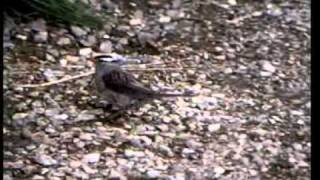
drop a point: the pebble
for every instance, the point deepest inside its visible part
(187, 151)
(89, 170)
(77, 31)
(45, 159)
(232, 2)
(130, 153)
(91, 158)
(106, 47)
(135, 21)
(228, 70)
(219, 170)
(63, 41)
(41, 37)
(166, 150)
(75, 164)
(89, 41)
(85, 52)
(267, 66)
(153, 173)
(164, 19)
(19, 116)
(83, 116)
(86, 136)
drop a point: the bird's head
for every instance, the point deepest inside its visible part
(114, 59)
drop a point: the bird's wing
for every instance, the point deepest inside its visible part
(124, 83)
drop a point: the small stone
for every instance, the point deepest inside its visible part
(106, 47)
(85, 52)
(83, 116)
(22, 37)
(303, 164)
(214, 127)
(7, 177)
(265, 74)
(75, 164)
(218, 49)
(232, 2)
(51, 58)
(86, 136)
(63, 62)
(89, 41)
(135, 21)
(164, 19)
(166, 150)
(19, 116)
(187, 151)
(267, 66)
(89, 170)
(91, 158)
(114, 174)
(177, 177)
(220, 57)
(130, 153)
(39, 25)
(63, 41)
(228, 71)
(70, 58)
(38, 177)
(153, 173)
(219, 170)
(77, 31)
(257, 13)
(62, 117)
(297, 146)
(45, 160)
(41, 37)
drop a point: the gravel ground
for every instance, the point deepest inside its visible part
(249, 60)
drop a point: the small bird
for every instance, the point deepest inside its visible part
(120, 88)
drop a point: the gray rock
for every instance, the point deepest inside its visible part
(91, 158)
(39, 25)
(85, 52)
(166, 150)
(63, 41)
(214, 127)
(45, 159)
(153, 173)
(130, 153)
(106, 47)
(77, 31)
(41, 37)
(267, 66)
(19, 116)
(84, 116)
(7, 177)
(89, 41)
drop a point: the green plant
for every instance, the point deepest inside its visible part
(56, 11)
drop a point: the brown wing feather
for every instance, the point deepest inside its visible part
(124, 83)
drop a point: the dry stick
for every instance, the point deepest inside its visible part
(57, 81)
(88, 74)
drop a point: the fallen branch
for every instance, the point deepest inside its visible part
(65, 79)
(57, 81)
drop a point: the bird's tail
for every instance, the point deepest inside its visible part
(185, 94)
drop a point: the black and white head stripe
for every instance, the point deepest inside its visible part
(110, 58)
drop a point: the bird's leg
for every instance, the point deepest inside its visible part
(122, 110)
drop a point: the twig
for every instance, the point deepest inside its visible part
(88, 74)
(57, 81)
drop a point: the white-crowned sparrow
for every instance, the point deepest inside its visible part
(120, 88)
